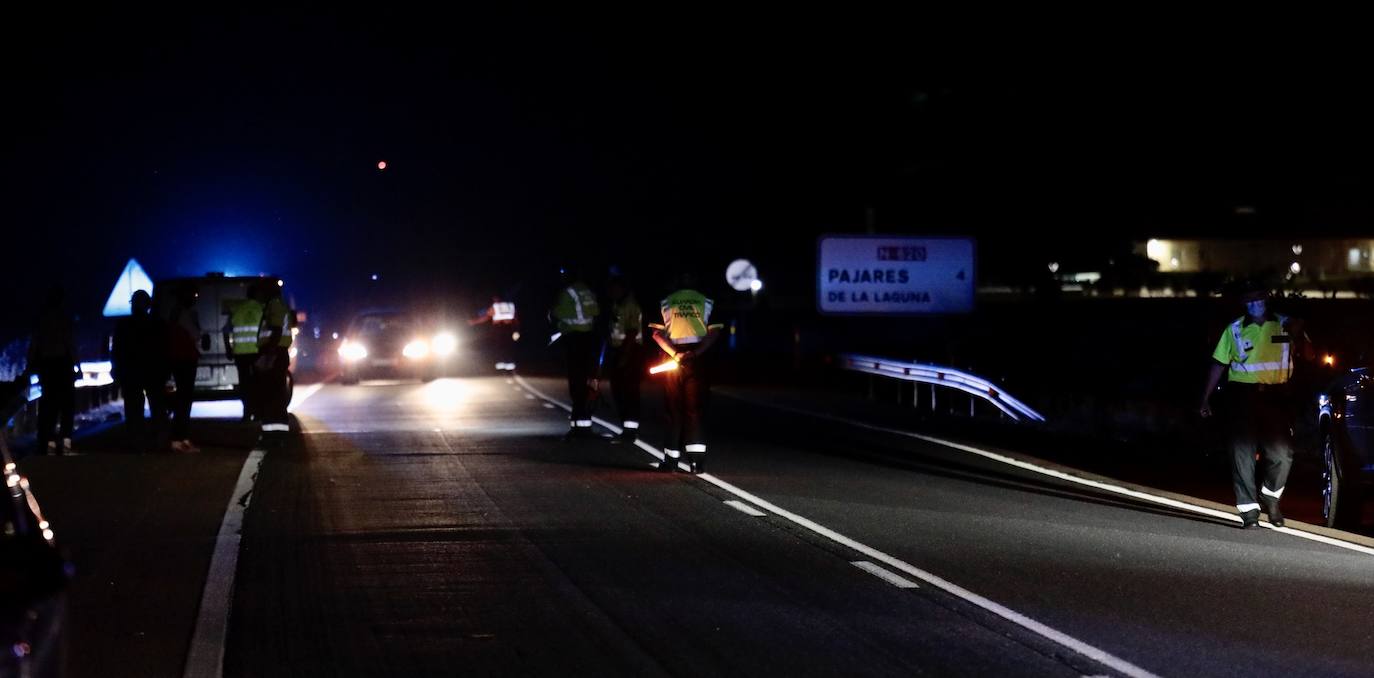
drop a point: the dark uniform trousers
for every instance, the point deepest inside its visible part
(248, 386)
(581, 349)
(1259, 422)
(685, 392)
(272, 395)
(626, 365)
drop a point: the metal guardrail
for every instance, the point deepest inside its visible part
(939, 376)
(94, 389)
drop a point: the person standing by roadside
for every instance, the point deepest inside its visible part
(184, 353)
(140, 368)
(52, 356)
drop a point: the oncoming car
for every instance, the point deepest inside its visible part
(394, 344)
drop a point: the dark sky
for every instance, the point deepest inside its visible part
(248, 142)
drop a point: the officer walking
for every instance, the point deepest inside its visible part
(241, 336)
(686, 337)
(574, 314)
(626, 355)
(1256, 353)
(273, 364)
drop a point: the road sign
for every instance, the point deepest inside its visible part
(894, 275)
(741, 274)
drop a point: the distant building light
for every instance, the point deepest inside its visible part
(1158, 250)
(1245, 209)
(756, 285)
(1297, 250)
(381, 165)
(335, 335)
(281, 283)
(1173, 262)
(1295, 268)
(1353, 257)
(1086, 277)
(374, 276)
(1054, 267)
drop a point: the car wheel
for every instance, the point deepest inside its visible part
(1341, 502)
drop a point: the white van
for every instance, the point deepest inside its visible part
(216, 293)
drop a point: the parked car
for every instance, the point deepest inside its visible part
(1345, 416)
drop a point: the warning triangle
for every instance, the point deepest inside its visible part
(133, 278)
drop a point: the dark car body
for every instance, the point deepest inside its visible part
(1345, 416)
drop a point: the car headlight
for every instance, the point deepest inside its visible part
(444, 344)
(352, 351)
(416, 349)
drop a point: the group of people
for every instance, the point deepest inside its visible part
(613, 344)
(258, 335)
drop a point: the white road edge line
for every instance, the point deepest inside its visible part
(205, 659)
(1106, 487)
(206, 656)
(1100, 656)
(744, 508)
(302, 395)
(885, 574)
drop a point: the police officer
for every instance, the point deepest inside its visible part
(505, 330)
(625, 357)
(274, 362)
(574, 313)
(1256, 353)
(686, 336)
(241, 336)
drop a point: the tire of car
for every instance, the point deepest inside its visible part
(1342, 500)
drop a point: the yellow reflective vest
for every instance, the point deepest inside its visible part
(1257, 353)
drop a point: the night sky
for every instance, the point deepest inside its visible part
(248, 142)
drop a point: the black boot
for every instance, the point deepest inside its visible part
(1271, 507)
(668, 465)
(1249, 519)
(698, 463)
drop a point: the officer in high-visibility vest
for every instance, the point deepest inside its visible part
(505, 330)
(1256, 353)
(625, 359)
(274, 361)
(686, 336)
(241, 337)
(574, 314)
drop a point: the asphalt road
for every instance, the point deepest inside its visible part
(445, 529)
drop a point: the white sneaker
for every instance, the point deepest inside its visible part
(66, 446)
(178, 446)
(52, 447)
(189, 446)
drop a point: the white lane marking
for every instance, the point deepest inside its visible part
(1053, 473)
(302, 395)
(885, 574)
(206, 656)
(1100, 656)
(529, 397)
(745, 508)
(548, 406)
